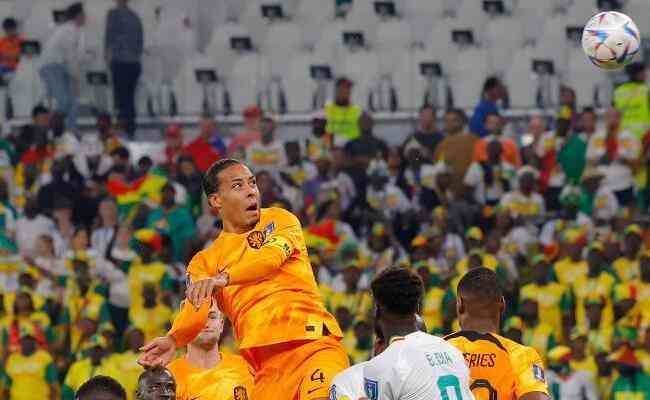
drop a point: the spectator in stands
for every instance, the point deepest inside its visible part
(124, 42)
(615, 152)
(267, 154)
(363, 149)
(173, 146)
(173, 220)
(530, 139)
(343, 116)
(493, 91)
(251, 133)
(631, 99)
(489, 180)
(10, 46)
(494, 131)
(457, 147)
(565, 382)
(297, 170)
(101, 387)
(320, 140)
(524, 201)
(572, 157)
(37, 381)
(208, 147)
(106, 225)
(62, 58)
(93, 364)
(191, 179)
(426, 134)
(31, 225)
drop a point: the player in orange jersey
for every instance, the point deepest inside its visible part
(500, 368)
(204, 373)
(259, 273)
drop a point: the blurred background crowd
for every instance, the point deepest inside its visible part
(94, 240)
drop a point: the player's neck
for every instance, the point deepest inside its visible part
(203, 358)
(237, 230)
(398, 328)
(480, 325)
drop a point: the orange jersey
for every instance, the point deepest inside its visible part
(231, 379)
(500, 368)
(272, 296)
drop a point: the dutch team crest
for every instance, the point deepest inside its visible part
(240, 393)
(372, 389)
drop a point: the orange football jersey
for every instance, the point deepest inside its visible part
(231, 379)
(500, 368)
(272, 296)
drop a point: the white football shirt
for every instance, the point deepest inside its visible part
(418, 367)
(348, 384)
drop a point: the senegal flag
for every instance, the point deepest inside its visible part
(143, 188)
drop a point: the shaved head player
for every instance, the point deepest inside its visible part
(500, 368)
(258, 272)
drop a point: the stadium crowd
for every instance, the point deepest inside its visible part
(94, 244)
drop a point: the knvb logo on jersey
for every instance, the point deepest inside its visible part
(240, 393)
(538, 373)
(372, 389)
(269, 228)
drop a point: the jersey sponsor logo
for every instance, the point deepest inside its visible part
(239, 393)
(256, 239)
(438, 359)
(269, 228)
(538, 373)
(280, 243)
(483, 360)
(372, 388)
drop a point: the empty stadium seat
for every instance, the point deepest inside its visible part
(520, 79)
(466, 79)
(411, 87)
(40, 23)
(250, 74)
(26, 88)
(503, 36)
(283, 40)
(188, 92)
(393, 39)
(584, 78)
(95, 28)
(422, 14)
(471, 14)
(219, 47)
(299, 85)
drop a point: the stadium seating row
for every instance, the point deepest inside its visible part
(387, 69)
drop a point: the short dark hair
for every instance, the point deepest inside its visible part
(38, 110)
(481, 283)
(74, 11)
(211, 177)
(100, 384)
(398, 290)
(459, 112)
(589, 110)
(490, 83)
(427, 106)
(9, 23)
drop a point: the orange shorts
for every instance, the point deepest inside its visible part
(300, 370)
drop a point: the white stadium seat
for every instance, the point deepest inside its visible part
(219, 47)
(187, 90)
(503, 36)
(394, 37)
(40, 23)
(299, 85)
(283, 40)
(586, 79)
(467, 77)
(250, 74)
(26, 88)
(411, 87)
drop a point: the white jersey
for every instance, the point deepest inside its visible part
(348, 385)
(418, 367)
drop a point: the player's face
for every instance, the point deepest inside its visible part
(159, 387)
(238, 199)
(213, 327)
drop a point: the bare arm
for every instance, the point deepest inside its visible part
(535, 396)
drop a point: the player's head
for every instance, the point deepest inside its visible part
(231, 189)
(101, 387)
(156, 384)
(479, 298)
(636, 72)
(208, 338)
(397, 292)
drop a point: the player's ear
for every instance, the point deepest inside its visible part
(460, 307)
(502, 305)
(214, 201)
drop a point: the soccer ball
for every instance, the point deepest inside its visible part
(611, 40)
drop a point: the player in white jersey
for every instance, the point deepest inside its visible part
(348, 384)
(415, 365)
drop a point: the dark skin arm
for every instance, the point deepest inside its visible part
(535, 396)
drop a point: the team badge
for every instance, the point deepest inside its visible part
(256, 239)
(240, 393)
(269, 228)
(538, 373)
(372, 389)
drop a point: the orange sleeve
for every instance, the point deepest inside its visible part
(479, 153)
(190, 321)
(259, 263)
(512, 152)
